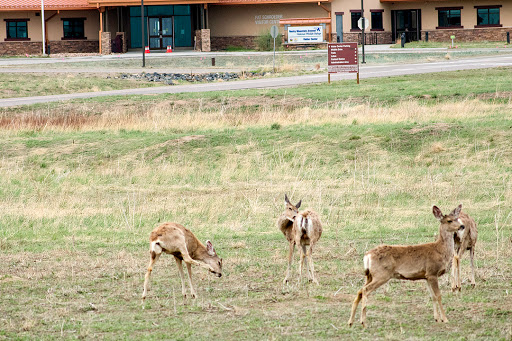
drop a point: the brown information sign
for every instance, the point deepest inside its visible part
(342, 57)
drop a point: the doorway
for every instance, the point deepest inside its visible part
(408, 22)
(160, 32)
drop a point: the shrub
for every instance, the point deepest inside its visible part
(265, 42)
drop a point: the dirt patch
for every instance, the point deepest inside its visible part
(433, 129)
(503, 94)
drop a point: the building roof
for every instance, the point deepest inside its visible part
(17, 5)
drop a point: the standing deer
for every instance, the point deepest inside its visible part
(177, 240)
(464, 240)
(301, 229)
(285, 224)
(412, 262)
(308, 230)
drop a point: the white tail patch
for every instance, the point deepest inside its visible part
(306, 224)
(367, 260)
(155, 247)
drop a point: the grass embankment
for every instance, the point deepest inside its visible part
(79, 201)
(26, 84)
(457, 44)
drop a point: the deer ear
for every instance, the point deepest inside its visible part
(298, 204)
(456, 211)
(437, 212)
(286, 200)
(209, 248)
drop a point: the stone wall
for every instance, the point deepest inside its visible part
(222, 43)
(203, 40)
(123, 39)
(466, 35)
(74, 46)
(371, 38)
(18, 48)
(106, 43)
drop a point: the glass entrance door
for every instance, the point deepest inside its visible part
(408, 22)
(160, 32)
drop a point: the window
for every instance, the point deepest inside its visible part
(17, 29)
(488, 16)
(74, 28)
(449, 17)
(377, 20)
(355, 15)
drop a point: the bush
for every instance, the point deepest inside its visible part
(265, 42)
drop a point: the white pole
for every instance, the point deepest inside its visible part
(42, 23)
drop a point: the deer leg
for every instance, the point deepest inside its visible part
(367, 289)
(301, 263)
(456, 273)
(368, 280)
(311, 265)
(434, 285)
(192, 290)
(290, 258)
(152, 261)
(471, 256)
(306, 261)
(188, 260)
(434, 302)
(182, 277)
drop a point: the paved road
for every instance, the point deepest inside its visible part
(278, 82)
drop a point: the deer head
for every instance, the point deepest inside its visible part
(291, 210)
(450, 222)
(213, 260)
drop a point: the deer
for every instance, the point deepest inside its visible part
(464, 240)
(411, 262)
(301, 229)
(177, 240)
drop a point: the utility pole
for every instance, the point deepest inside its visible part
(42, 23)
(362, 29)
(143, 43)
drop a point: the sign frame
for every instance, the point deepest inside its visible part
(296, 34)
(342, 58)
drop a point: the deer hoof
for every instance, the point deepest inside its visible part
(193, 296)
(350, 323)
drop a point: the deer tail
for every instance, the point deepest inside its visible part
(367, 260)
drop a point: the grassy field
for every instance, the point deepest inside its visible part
(26, 84)
(458, 44)
(82, 184)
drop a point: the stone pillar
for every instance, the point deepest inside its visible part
(203, 40)
(106, 43)
(125, 45)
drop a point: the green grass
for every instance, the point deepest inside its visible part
(26, 84)
(458, 44)
(78, 203)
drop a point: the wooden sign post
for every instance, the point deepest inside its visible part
(342, 57)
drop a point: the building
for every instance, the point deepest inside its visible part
(106, 26)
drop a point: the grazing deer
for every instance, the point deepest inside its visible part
(177, 240)
(464, 240)
(301, 229)
(411, 262)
